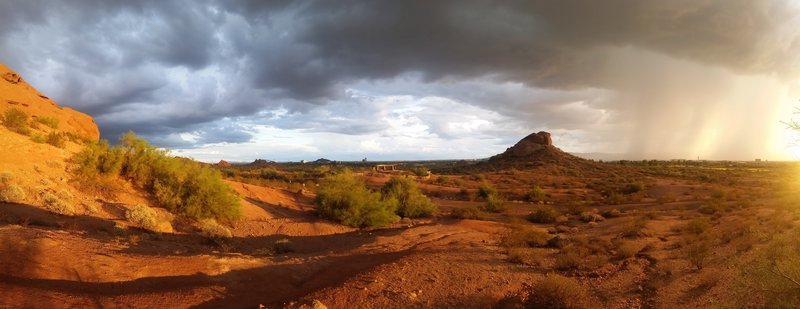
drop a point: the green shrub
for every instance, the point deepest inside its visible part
(17, 121)
(411, 203)
(473, 213)
(211, 229)
(143, 217)
(556, 291)
(495, 203)
(56, 139)
(181, 185)
(11, 193)
(535, 195)
(345, 198)
(48, 121)
(543, 214)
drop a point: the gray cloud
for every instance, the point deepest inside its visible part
(616, 67)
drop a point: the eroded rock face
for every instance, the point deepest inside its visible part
(223, 163)
(12, 77)
(541, 138)
(530, 144)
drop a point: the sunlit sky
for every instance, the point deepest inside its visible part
(390, 80)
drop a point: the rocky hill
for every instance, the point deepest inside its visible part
(16, 93)
(534, 150)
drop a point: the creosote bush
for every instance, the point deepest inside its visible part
(57, 205)
(495, 203)
(143, 217)
(544, 214)
(536, 194)
(56, 139)
(11, 193)
(213, 230)
(473, 213)
(345, 198)
(556, 291)
(411, 203)
(48, 121)
(17, 121)
(181, 185)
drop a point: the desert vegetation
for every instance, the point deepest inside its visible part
(411, 203)
(181, 185)
(345, 198)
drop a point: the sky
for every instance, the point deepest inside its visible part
(412, 80)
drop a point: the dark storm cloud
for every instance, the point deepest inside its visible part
(161, 67)
(542, 43)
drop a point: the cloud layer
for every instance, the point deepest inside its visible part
(353, 78)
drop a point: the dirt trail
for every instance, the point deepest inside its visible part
(51, 260)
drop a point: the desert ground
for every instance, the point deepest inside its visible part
(533, 227)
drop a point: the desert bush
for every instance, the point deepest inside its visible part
(697, 252)
(519, 255)
(613, 213)
(48, 121)
(556, 291)
(56, 139)
(38, 138)
(574, 208)
(536, 194)
(57, 205)
(495, 203)
(11, 193)
(666, 198)
(486, 190)
(635, 227)
(5, 177)
(473, 213)
(632, 188)
(543, 214)
(626, 249)
(209, 228)
(521, 236)
(420, 171)
(345, 198)
(178, 184)
(571, 257)
(443, 180)
(16, 121)
(698, 225)
(283, 245)
(591, 216)
(411, 202)
(774, 275)
(143, 217)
